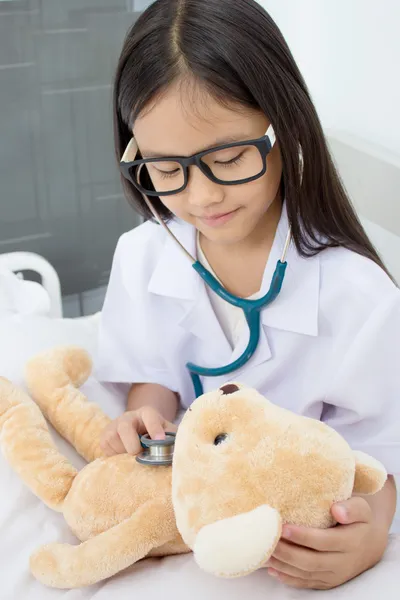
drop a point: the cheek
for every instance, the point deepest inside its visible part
(176, 204)
(267, 187)
(261, 193)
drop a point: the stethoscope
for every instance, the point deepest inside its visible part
(252, 312)
(157, 452)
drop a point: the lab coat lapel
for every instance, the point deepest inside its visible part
(296, 307)
(200, 320)
(262, 353)
(175, 277)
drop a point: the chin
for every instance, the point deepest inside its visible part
(226, 235)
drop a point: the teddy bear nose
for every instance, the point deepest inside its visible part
(229, 388)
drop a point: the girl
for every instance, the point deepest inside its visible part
(217, 137)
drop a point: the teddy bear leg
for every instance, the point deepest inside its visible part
(65, 566)
(370, 474)
(238, 545)
(27, 445)
(52, 379)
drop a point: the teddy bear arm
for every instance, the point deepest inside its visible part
(238, 545)
(65, 566)
(53, 378)
(370, 475)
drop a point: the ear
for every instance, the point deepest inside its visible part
(238, 545)
(370, 474)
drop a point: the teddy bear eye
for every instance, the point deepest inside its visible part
(220, 439)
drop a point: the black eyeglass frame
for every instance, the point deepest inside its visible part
(263, 144)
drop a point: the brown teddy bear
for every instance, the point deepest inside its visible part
(241, 468)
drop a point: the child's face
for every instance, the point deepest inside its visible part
(185, 121)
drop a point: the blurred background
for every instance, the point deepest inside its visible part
(60, 194)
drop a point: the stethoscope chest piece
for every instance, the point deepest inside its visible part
(157, 452)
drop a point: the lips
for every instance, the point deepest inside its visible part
(219, 216)
(220, 219)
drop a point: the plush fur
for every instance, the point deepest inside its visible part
(119, 509)
(293, 466)
(242, 468)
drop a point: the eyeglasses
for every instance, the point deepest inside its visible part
(229, 164)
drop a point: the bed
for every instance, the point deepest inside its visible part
(373, 179)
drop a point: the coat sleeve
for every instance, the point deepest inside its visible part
(363, 404)
(130, 346)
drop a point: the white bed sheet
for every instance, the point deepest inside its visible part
(25, 523)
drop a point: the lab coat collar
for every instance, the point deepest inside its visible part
(296, 308)
(174, 275)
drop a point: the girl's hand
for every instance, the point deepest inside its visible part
(326, 558)
(123, 434)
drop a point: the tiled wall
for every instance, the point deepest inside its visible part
(60, 194)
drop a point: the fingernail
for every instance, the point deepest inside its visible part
(160, 436)
(273, 573)
(286, 532)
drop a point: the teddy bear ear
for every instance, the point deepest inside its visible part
(370, 476)
(231, 388)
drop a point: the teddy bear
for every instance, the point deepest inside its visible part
(242, 467)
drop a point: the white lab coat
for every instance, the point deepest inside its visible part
(329, 348)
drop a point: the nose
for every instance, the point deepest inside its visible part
(203, 192)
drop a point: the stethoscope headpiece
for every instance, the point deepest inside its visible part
(157, 452)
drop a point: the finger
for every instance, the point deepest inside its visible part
(277, 565)
(114, 442)
(168, 426)
(322, 540)
(153, 423)
(104, 444)
(296, 582)
(106, 448)
(129, 437)
(355, 510)
(303, 558)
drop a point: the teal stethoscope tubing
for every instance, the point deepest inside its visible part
(252, 312)
(251, 308)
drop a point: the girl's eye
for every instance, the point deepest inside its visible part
(233, 161)
(164, 170)
(167, 174)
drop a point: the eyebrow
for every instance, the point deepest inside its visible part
(217, 142)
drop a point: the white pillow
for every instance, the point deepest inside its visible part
(21, 337)
(20, 297)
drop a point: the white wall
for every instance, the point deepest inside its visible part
(349, 54)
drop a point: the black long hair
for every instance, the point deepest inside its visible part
(236, 51)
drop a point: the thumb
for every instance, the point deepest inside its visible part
(355, 510)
